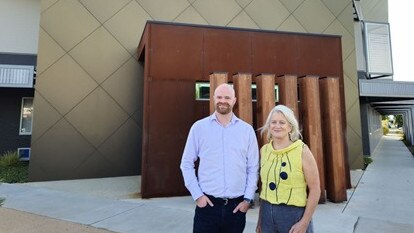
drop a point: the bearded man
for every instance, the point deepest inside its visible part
(228, 155)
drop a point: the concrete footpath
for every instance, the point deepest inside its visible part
(383, 201)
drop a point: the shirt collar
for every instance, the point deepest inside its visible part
(233, 120)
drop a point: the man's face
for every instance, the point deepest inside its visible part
(224, 99)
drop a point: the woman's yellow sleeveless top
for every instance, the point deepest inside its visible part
(283, 181)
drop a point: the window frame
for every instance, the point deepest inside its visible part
(20, 153)
(21, 132)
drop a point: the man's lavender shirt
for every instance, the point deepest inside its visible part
(229, 159)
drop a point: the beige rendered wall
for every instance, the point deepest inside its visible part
(375, 10)
(87, 119)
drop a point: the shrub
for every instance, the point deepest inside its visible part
(15, 174)
(8, 159)
(11, 169)
(367, 161)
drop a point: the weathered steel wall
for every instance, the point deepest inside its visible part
(177, 55)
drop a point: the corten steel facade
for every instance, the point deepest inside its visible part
(176, 56)
(88, 94)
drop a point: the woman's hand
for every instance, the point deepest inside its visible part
(258, 229)
(299, 227)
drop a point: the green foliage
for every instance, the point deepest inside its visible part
(399, 120)
(10, 158)
(14, 174)
(2, 199)
(367, 161)
(11, 169)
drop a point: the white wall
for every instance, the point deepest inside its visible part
(19, 26)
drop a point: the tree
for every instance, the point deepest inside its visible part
(399, 120)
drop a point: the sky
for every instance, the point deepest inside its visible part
(401, 18)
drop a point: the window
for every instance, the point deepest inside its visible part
(24, 154)
(26, 116)
(378, 49)
(254, 93)
(202, 91)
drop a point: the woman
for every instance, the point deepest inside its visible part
(287, 169)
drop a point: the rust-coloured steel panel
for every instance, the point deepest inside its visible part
(319, 55)
(226, 50)
(274, 54)
(170, 112)
(178, 55)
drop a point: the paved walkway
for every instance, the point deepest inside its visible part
(382, 202)
(384, 197)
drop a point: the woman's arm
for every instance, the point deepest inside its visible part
(258, 228)
(311, 173)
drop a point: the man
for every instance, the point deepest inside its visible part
(228, 168)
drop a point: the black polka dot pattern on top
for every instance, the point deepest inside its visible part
(283, 175)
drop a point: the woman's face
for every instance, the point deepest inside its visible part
(279, 126)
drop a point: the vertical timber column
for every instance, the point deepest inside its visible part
(334, 147)
(265, 94)
(215, 80)
(244, 107)
(312, 124)
(288, 92)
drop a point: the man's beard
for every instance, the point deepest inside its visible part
(221, 110)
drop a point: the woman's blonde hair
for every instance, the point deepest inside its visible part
(290, 117)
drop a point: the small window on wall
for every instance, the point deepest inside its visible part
(202, 91)
(26, 116)
(254, 93)
(24, 154)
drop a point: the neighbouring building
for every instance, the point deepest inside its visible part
(19, 36)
